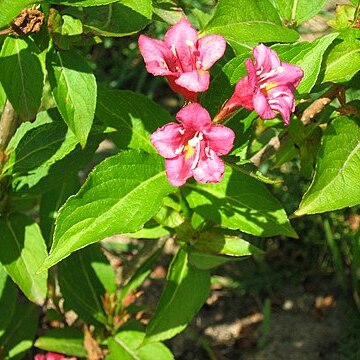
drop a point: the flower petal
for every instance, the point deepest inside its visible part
(195, 81)
(220, 139)
(188, 95)
(262, 106)
(282, 100)
(265, 58)
(209, 169)
(195, 117)
(158, 58)
(211, 48)
(181, 38)
(167, 140)
(178, 170)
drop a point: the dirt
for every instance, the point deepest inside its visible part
(303, 325)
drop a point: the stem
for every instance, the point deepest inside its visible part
(8, 124)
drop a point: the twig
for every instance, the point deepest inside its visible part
(319, 104)
(8, 124)
(309, 113)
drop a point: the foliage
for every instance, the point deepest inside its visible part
(62, 197)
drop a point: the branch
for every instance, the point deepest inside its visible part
(275, 143)
(8, 124)
(319, 104)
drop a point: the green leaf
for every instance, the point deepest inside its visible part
(298, 10)
(82, 2)
(22, 75)
(336, 181)
(8, 295)
(9, 9)
(21, 331)
(50, 204)
(308, 56)
(125, 345)
(74, 88)
(179, 302)
(222, 244)
(41, 143)
(134, 115)
(205, 261)
(20, 240)
(168, 11)
(343, 59)
(241, 21)
(239, 202)
(123, 18)
(120, 195)
(143, 270)
(68, 341)
(64, 30)
(83, 279)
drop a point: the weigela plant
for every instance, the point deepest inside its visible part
(183, 58)
(89, 167)
(192, 147)
(268, 88)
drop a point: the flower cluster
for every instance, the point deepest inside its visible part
(192, 146)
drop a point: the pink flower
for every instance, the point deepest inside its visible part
(268, 87)
(192, 147)
(52, 356)
(183, 58)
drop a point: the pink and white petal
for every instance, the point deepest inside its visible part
(209, 169)
(188, 95)
(262, 106)
(244, 91)
(178, 170)
(181, 38)
(211, 48)
(265, 58)
(220, 139)
(195, 81)
(168, 139)
(294, 73)
(284, 103)
(158, 58)
(287, 74)
(194, 117)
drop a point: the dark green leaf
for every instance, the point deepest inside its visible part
(336, 181)
(8, 295)
(120, 195)
(22, 75)
(168, 11)
(239, 202)
(222, 244)
(41, 143)
(84, 277)
(20, 239)
(21, 331)
(179, 302)
(123, 18)
(206, 261)
(74, 88)
(241, 21)
(68, 341)
(134, 116)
